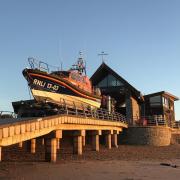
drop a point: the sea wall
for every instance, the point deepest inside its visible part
(175, 136)
(155, 136)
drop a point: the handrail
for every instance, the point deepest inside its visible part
(7, 114)
(70, 108)
(93, 113)
(176, 125)
(156, 120)
(36, 64)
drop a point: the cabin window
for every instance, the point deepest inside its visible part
(109, 81)
(155, 101)
(167, 103)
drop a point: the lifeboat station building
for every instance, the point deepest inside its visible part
(130, 102)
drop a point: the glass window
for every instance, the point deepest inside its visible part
(166, 102)
(103, 83)
(119, 83)
(109, 81)
(155, 101)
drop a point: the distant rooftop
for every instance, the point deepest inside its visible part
(175, 98)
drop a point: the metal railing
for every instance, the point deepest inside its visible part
(7, 114)
(36, 64)
(156, 120)
(81, 109)
(176, 125)
(101, 114)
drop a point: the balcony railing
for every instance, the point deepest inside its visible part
(156, 120)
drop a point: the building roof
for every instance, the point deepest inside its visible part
(105, 69)
(175, 98)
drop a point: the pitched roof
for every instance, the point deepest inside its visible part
(105, 69)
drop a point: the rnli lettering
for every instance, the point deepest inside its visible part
(39, 83)
(45, 85)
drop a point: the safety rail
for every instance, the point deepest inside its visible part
(7, 114)
(36, 64)
(71, 108)
(176, 125)
(102, 114)
(156, 120)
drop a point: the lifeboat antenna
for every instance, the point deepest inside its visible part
(81, 63)
(61, 65)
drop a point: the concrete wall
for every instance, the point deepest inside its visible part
(155, 136)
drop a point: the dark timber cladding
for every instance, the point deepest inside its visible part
(161, 104)
(128, 99)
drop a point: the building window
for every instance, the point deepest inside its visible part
(103, 83)
(109, 81)
(167, 103)
(155, 101)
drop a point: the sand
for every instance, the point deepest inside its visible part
(126, 162)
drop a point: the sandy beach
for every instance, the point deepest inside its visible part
(125, 162)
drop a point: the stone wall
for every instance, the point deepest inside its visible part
(155, 136)
(135, 109)
(175, 136)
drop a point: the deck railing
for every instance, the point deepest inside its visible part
(156, 120)
(7, 114)
(85, 112)
(176, 125)
(101, 114)
(36, 64)
(77, 109)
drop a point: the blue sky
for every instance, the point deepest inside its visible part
(141, 37)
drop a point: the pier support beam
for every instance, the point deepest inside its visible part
(83, 140)
(0, 153)
(50, 152)
(95, 140)
(58, 143)
(51, 145)
(20, 145)
(42, 141)
(33, 146)
(114, 139)
(107, 134)
(77, 141)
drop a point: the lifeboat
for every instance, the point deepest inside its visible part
(71, 87)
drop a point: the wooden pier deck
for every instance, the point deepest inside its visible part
(50, 129)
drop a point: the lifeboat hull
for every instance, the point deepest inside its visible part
(50, 88)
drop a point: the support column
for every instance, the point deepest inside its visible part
(33, 146)
(78, 136)
(83, 140)
(114, 140)
(77, 149)
(108, 138)
(51, 145)
(0, 154)
(42, 141)
(20, 144)
(50, 154)
(58, 143)
(95, 140)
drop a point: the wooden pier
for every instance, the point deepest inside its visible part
(51, 128)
